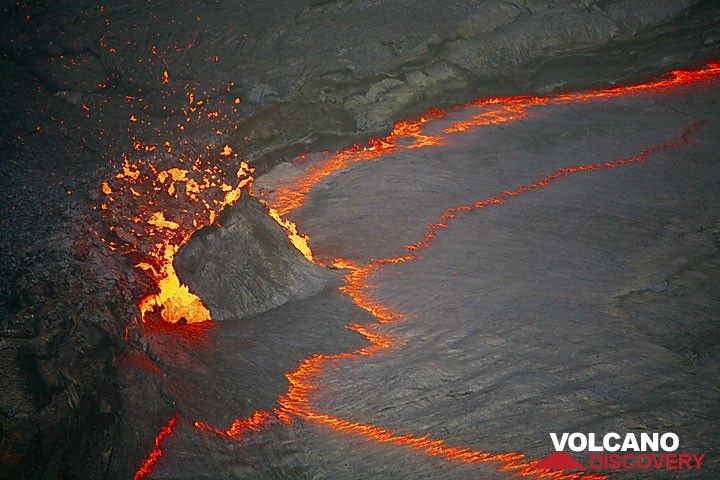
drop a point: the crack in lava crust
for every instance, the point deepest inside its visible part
(357, 286)
(296, 401)
(408, 134)
(156, 452)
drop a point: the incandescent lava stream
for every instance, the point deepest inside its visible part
(173, 300)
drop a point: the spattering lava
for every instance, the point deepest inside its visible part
(154, 212)
(410, 135)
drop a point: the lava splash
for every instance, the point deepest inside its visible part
(296, 402)
(166, 191)
(153, 212)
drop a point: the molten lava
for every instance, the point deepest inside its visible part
(154, 212)
(156, 452)
(174, 300)
(302, 381)
(290, 197)
(253, 423)
(162, 196)
(296, 401)
(409, 135)
(299, 240)
(206, 196)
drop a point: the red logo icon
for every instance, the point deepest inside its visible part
(560, 461)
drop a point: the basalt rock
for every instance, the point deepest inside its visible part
(61, 406)
(244, 264)
(312, 75)
(346, 69)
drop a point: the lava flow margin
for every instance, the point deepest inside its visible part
(410, 135)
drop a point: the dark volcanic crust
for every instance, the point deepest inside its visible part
(247, 266)
(310, 74)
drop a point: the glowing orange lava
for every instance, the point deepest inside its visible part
(452, 213)
(253, 423)
(409, 135)
(299, 240)
(291, 196)
(303, 380)
(296, 401)
(156, 452)
(154, 212)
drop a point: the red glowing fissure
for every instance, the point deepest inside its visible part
(405, 136)
(296, 401)
(156, 452)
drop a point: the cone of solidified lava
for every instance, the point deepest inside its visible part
(245, 264)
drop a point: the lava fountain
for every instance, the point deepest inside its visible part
(295, 403)
(154, 212)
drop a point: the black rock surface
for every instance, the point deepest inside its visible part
(244, 265)
(310, 75)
